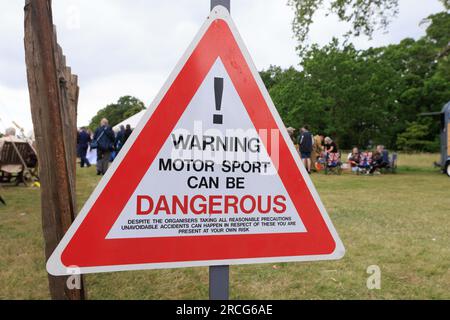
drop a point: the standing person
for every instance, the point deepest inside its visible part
(128, 132)
(317, 150)
(119, 142)
(120, 138)
(291, 132)
(104, 142)
(83, 141)
(306, 143)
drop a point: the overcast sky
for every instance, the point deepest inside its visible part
(121, 47)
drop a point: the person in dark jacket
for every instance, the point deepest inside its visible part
(128, 132)
(306, 143)
(104, 139)
(120, 139)
(83, 141)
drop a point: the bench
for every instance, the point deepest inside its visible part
(18, 162)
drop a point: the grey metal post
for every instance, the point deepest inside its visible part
(219, 282)
(219, 276)
(225, 3)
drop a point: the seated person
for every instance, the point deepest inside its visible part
(330, 146)
(333, 160)
(366, 161)
(380, 159)
(354, 159)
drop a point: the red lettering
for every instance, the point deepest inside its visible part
(139, 210)
(242, 204)
(203, 207)
(260, 204)
(279, 201)
(183, 206)
(231, 202)
(162, 206)
(214, 202)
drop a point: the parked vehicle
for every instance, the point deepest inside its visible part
(444, 116)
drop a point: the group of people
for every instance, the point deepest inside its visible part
(105, 141)
(311, 147)
(314, 150)
(320, 150)
(367, 161)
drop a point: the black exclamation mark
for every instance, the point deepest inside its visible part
(218, 90)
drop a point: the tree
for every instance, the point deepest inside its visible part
(341, 92)
(362, 97)
(438, 30)
(424, 84)
(125, 108)
(364, 16)
(417, 138)
(437, 84)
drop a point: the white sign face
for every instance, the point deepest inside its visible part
(210, 179)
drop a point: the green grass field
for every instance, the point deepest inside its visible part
(400, 222)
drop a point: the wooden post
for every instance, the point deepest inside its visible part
(2, 201)
(53, 96)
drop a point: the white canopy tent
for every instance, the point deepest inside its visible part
(132, 121)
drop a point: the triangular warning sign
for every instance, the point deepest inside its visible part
(209, 177)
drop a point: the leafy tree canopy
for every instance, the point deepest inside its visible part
(368, 97)
(416, 138)
(123, 109)
(364, 16)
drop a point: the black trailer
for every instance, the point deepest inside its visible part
(444, 116)
(445, 139)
